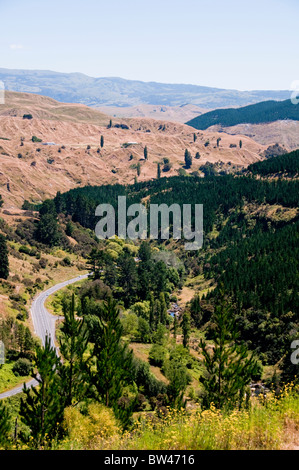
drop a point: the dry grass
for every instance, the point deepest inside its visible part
(32, 177)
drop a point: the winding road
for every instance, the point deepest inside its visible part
(44, 325)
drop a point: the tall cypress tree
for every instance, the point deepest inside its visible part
(152, 311)
(229, 367)
(163, 309)
(195, 310)
(188, 159)
(145, 152)
(186, 329)
(4, 263)
(158, 170)
(41, 407)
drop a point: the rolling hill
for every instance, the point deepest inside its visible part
(260, 113)
(34, 171)
(111, 91)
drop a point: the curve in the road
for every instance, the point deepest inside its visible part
(44, 324)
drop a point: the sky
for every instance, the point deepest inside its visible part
(220, 43)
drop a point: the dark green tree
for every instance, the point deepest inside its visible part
(138, 169)
(47, 231)
(1, 201)
(145, 152)
(73, 342)
(240, 144)
(179, 378)
(152, 311)
(188, 159)
(229, 366)
(128, 277)
(5, 425)
(186, 329)
(163, 309)
(113, 360)
(158, 170)
(41, 407)
(175, 327)
(195, 311)
(102, 141)
(4, 262)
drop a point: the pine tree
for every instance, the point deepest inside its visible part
(229, 367)
(138, 169)
(41, 407)
(186, 329)
(175, 327)
(152, 311)
(47, 230)
(73, 342)
(194, 137)
(102, 141)
(240, 144)
(4, 263)
(195, 310)
(145, 153)
(113, 360)
(5, 424)
(128, 277)
(1, 201)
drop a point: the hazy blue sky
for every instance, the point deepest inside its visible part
(227, 44)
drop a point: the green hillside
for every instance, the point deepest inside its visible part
(287, 164)
(266, 111)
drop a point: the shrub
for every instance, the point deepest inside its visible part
(22, 367)
(157, 355)
(88, 430)
(35, 139)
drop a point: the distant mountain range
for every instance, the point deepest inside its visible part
(110, 91)
(260, 113)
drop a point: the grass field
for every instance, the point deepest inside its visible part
(8, 379)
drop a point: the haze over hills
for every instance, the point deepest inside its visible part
(34, 171)
(111, 91)
(181, 113)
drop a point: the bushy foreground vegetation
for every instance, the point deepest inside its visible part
(268, 424)
(139, 371)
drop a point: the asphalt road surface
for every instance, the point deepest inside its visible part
(44, 325)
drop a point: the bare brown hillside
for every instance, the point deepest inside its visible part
(181, 113)
(35, 171)
(286, 133)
